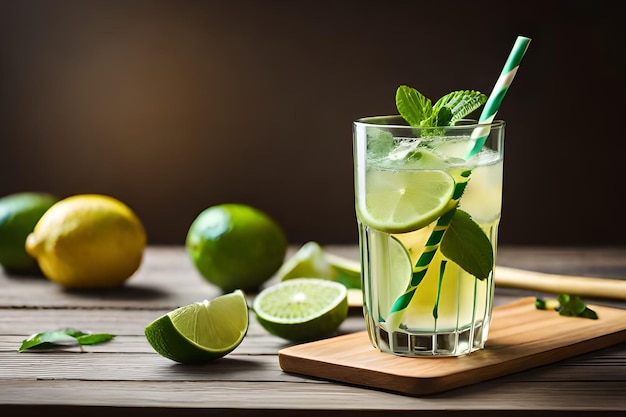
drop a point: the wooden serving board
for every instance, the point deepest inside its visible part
(521, 337)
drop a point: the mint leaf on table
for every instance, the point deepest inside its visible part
(49, 340)
(465, 244)
(567, 305)
(63, 338)
(574, 306)
(94, 339)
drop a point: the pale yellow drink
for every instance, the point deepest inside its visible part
(449, 310)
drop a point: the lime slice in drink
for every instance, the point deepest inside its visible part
(403, 201)
(302, 309)
(201, 331)
(395, 266)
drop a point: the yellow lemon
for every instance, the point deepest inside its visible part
(88, 241)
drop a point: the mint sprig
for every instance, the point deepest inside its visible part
(419, 111)
(63, 338)
(567, 305)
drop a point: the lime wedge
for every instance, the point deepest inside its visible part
(201, 331)
(302, 309)
(308, 262)
(312, 261)
(403, 201)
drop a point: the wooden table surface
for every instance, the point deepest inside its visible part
(126, 377)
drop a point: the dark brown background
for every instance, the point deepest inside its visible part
(174, 106)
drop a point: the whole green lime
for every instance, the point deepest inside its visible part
(19, 213)
(236, 246)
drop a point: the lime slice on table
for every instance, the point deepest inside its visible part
(403, 201)
(302, 309)
(201, 331)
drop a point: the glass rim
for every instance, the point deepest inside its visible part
(396, 121)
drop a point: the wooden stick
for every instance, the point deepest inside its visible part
(557, 284)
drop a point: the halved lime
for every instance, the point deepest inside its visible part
(201, 331)
(403, 201)
(302, 309)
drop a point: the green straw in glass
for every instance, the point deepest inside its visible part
(499, 91)
(489, 112)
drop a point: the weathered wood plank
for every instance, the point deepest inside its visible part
(503, 395)
(17, 325)
(118, 321)
(136, 362)
(137, 367)
(165, 280)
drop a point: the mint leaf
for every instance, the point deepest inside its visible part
(94, 339)
(49, 340)
(588, 314)
(73, 332)
(62, 338)
(567, 305)
(444, 117)
(465, 244)
(412, 105)
(574, 306)
(459, 104)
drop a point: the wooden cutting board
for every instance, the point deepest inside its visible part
(521, 337)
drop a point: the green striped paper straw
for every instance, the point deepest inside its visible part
(499, 91)
(489, 112)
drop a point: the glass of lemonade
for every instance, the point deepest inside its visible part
(428, 206)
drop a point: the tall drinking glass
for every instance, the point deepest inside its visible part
(428, 207)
